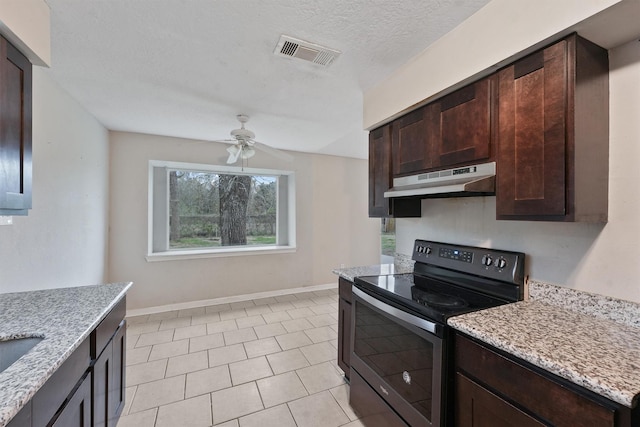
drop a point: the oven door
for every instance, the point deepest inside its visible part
(399, 356)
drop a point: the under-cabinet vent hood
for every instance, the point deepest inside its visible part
(476, 180)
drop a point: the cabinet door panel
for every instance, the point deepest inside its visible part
(102, 373)
(77, 411)
(379, 171)
(118, 377)
(15, 131)
(344, 337)
(547, 398)
(380, 180)
(533, 104)
(465, 125)
(414, 137)
(478, 407)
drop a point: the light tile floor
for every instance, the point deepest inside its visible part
(266, 362)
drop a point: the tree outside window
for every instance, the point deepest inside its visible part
(211, 209)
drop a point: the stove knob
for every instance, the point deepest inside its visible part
(501, 263)
(487, 260)
(427, 250)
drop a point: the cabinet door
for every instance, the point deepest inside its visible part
(344, 336)
(465, 125)
(379, 171)
(102, 373)
(414, 137)
(478, 407)
(109, 381)
(15, 131)
(117, 388)
(77, 411)
(532, 121)
(380, 180)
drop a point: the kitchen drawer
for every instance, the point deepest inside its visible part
(550, 398)
(372, 410)
(107, 328)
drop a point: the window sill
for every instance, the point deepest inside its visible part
(175, 255)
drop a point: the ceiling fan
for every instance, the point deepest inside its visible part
(244, 143)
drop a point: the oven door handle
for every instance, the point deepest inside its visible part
(409, 318)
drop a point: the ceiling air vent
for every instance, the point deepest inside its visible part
(295, 48)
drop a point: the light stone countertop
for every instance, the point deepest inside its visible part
(401, 265)
(64, 317)
(568, 333)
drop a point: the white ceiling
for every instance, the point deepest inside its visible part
(185, 68)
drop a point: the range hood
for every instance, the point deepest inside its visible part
(477, 180)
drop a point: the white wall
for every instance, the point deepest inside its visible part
(332, 226)
(63, 240)
(602, 259)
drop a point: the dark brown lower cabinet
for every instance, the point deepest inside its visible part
(344, 326)
(497, 389)
(88, 388)
(478, 407)
(77, 411)
(109, 380)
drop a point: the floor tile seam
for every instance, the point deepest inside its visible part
(255, 379)
(138, 326)
(187, 372)
(339, 405)
(205, 323)
(155, 417)
(238, 418)
(132, 397)
(163, 372)
(159, 406)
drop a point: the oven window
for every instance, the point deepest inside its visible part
(399, 356)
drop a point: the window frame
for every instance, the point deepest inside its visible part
(158, 213)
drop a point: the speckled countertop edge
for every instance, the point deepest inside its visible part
(568, 337)
(64, 317)
(401, 265)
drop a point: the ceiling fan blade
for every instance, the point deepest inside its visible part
(234, 154)
(273, 151)
(226, 141)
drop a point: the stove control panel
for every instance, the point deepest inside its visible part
(456, 254)
(507, 266)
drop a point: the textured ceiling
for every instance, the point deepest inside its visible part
(185, 68)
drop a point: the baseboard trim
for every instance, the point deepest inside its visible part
(226, 300)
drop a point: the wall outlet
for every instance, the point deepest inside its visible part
(6, 220)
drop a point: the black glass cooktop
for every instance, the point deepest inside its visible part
(432, 298)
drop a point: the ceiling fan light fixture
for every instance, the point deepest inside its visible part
(248, 152)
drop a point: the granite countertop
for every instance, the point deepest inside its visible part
(64, 318)
(569, 337)
(401, 265)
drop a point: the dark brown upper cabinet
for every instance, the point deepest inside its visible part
(553, 134)
(464, 120)
(453, 130)
(15, 131)
(414, 141)
(381, 179)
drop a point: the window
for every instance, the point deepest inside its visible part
(387, 240)
(204, 210)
